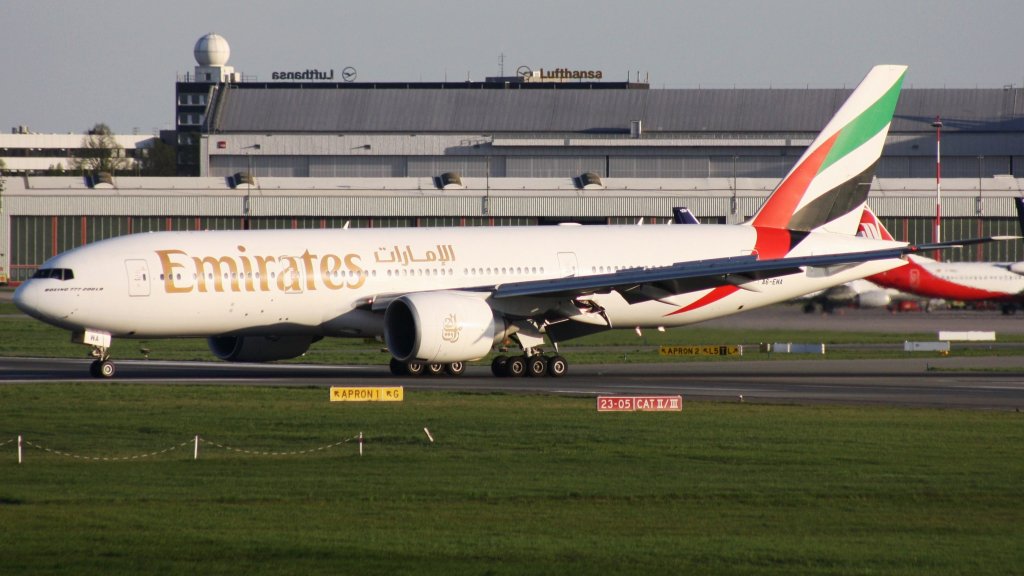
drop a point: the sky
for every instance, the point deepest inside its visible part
(70, 65)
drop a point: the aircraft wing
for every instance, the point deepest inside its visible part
(635, 285)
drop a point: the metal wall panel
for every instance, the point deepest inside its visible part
(358, 167)
(553, 166)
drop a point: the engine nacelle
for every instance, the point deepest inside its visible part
(258, 348)
(874, 299)
(441, 327)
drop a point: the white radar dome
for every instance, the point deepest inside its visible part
(212, 50)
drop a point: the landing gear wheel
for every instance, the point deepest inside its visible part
(107, 369)
(557, 366)
(398, 368)
(413, 368)
(102, 369)
(435, 369)
(498, 365)
(536, 366)
(455, 368)
(515, 367)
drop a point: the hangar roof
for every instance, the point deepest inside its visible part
(296, 110)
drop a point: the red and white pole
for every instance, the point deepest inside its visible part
(938, 177)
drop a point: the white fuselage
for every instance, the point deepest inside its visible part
(322, 282)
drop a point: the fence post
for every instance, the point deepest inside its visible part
(360, 443)
(195, 453)
(19, 448)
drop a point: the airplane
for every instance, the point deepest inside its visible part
(441, 297)
(1001, 282)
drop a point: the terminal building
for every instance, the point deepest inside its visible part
(312, 149)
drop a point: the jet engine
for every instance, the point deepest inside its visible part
(258, 348)
(874, 299)
(441, 327)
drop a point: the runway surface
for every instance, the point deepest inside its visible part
(995, 382)
(980, 383)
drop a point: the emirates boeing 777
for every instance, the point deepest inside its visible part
(440, 297)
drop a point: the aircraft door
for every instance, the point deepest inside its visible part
(138, 277)
(567, 264)
(290, 280)
(915, 278)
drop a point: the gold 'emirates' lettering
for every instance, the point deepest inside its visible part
(184, 273)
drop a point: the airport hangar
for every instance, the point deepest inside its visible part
(517, 151)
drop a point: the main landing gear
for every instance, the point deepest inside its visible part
(536, 366)
(414, 368)
(503, 366)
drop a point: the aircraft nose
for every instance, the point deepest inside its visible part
(26, 298)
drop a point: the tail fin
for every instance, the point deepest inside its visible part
(682, 215)
(871, 226)
(1019, 203)
(829, 184)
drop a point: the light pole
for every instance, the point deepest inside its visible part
(937, 237)
(979, 204)
(979, 209)
(732, 201)
(248, 186)
(485, 208)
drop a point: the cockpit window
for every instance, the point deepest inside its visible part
(55, 273)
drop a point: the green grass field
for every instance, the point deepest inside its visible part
(514, 484)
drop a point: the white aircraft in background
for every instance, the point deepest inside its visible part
(440, 297)
(1001, 282)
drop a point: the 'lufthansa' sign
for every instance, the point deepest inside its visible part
(557, 74)
(309, 74)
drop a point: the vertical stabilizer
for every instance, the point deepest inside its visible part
(871, 226)
(827, 187)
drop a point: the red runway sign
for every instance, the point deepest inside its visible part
(639, 403)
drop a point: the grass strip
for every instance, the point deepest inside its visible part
(514, 484)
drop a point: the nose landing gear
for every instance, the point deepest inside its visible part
(102, 366)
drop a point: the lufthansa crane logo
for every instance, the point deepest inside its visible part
(451, 329)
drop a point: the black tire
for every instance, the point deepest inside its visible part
(435, 369)
(94, 368)
(536, 366)
(557, 366)
(398, 367)
(515, 367)
(413, 368)
(107, 369)
(498, 365)
(455, 368)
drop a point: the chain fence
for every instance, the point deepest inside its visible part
(196, 443)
